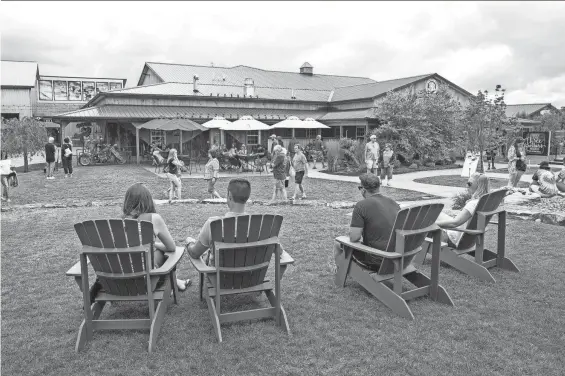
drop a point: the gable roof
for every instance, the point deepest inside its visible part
(229, 91)
(263, 78)
(528, 108)
(19, 73)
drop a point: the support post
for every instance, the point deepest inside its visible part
(292, 132)
(340, 131)
(137, 144)
(180, 143)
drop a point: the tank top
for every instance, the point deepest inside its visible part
(173, 168)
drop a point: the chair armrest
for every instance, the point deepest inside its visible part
(75, 271)
(499, 210)
(363, 248)
(286, 259)
(470, 232)
(170, 263)
(201, 266)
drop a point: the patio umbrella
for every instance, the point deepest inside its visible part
(217, 122)
(310, 123)
(289, 123)
(246, 123)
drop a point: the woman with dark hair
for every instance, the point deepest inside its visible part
(516, 162)
(67, 150)
(138, 204)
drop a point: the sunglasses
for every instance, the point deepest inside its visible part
(469, 184)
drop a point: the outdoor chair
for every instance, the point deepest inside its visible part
(121, 254)
(159, 165)
(472, 241)
(243, 246)
(411, 226)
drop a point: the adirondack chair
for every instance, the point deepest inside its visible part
(411, 226)
(242, 248)
(472, 241)
(121, 254)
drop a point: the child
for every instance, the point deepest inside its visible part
(287, 165)
(211, 171)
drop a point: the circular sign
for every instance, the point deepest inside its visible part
(431, 86)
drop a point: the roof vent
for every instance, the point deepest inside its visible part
(248, 87)
(195, 83)
(307, 69)
(292, 94)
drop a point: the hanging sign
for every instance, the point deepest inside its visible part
(536, 143)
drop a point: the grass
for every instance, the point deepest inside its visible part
(512, 327)
(397, 171)
(102, 183)
(458, 181)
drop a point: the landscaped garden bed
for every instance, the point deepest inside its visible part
(396, 171)
(459, 181)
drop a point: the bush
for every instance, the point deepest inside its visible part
(460, 199)
(397, 164)
(401, 159)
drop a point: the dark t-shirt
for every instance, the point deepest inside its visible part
(279, 167)
(317, 145)
(49, 152)
(376, 216)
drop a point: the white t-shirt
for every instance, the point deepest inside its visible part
(455, 236)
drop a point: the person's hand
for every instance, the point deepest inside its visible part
(189, 240)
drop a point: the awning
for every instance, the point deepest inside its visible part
(246, 123)
(172, 125)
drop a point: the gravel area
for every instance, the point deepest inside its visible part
(548, 205)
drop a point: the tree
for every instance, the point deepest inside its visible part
(484, 120)
(25, 137)
(420, 123)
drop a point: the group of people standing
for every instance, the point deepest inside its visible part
(376, 160)
(284, 167)
(52, 155)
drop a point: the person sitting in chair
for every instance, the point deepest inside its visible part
(239, 191)
(372, 221)
(478, 185)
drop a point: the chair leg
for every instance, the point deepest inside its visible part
(159, 317)
(83, 336)
(201, 275)
(466, 266)
(507, 264)
(420, 280)
(343, 262)
(380, 291)
(214, 317)
(284, 319)
(421, 256)
(173, 279)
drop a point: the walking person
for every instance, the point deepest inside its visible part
(173, 173)
(318, 154)
(211, 172)
(300, 165)
(387, 161)
(491, 154)
(372, 154)
(279, 173)
(8, 177)
(50, 158)
(516, 162)
(67, 150)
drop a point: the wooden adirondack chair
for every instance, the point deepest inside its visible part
(472, 241)
(242, 248)
(411, 226)
(121, 254)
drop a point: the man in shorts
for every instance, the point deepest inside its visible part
(372, 155)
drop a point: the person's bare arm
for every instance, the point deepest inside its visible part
(355, 234)
(194, 248)
(166, 243)
(463, 217)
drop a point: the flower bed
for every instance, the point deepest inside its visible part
(397, 171)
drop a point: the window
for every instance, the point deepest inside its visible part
(252, 137)
(158, 137)
(300, 133)
(360, 133)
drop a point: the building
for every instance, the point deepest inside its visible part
(25, 92)
(347, 104)
(527, 115)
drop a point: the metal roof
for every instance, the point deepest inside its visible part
(262, 78)
(18, 73)
(349, 115)
(118, 112)
(176, 88)
(528, 109)
(374, 89)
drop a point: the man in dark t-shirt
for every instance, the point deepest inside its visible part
(372, 221)
(50, 157)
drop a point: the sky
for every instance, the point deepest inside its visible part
(476, 45)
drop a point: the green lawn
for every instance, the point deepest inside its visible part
(101, 183)
(458, 181)
(513, 327)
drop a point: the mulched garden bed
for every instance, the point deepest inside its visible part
(397, 171)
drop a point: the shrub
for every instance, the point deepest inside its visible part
(401, 159)
(397, 164)
(460, 199)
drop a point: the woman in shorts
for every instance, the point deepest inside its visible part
(211, 171)
(300, 165)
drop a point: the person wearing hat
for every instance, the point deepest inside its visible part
(50, 157)
(544, 182)
(372, 154)
(274, 142)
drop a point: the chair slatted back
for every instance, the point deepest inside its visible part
(244, 229)
(487, 203)
(106, 243)
(410, 218)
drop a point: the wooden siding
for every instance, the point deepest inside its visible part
(16, 100)
(352, 106)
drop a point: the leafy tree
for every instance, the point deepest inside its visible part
(419, 122)
(484, 120)
(25, 137)
(552, 122)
